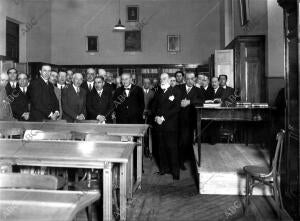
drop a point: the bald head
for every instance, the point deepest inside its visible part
(3, 79)
(126, 79)
(90, 74)
(77, 79)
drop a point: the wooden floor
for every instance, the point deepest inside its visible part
(221, 169)
(162, 199)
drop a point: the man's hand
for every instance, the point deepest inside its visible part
(25, 115)
(80, 117)
(185, 102)
(100, 118)
(158, 120)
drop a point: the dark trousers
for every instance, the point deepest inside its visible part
(168, 152)
(186, 144)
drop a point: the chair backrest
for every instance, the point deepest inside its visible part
(28, 181)
(102, 137)
(278, 153)
(46, 135)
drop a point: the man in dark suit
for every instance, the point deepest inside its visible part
(61, 84)
(166, 107)
(217, 91)
(69, 77)
(44, 104)
(228, 91)
(20, 103)
(191, 96)
(12, 82)
(129, 102)
(99, 102)
(206, 89)
(73, 100)
(179, 75)
(155, 85)
(5, 108)
(110, 81)
(53, 78)
(88, 85)
(148, 97)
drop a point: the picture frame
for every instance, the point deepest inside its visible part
(173, 43)
(92, 43)
(133, 41)
(132, 13)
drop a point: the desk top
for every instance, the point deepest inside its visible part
(235, 108)
(110, 129)
(36, 205)
(77, 154)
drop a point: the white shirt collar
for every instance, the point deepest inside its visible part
(90, 82)
(224, 87)
(128, 86)
(205, 88)
(60, 85)
(76, 88)
(215, 89)
(13, 83)
(100, 91)
(187, 87)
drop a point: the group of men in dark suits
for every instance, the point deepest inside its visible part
(170, 109)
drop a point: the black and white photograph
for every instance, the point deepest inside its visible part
(157, 110)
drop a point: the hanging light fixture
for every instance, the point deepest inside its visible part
(119, 26)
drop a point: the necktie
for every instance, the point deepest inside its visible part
(13, 85)
(127, 91)
(188, 89)
(90, 87)
(100, 93)
(77, 90)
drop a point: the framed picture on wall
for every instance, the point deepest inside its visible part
(173, 42)
(133, 41)
(92, 43)
(132, 13)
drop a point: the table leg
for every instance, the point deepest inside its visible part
(123, 189)
(150, 142)
(139, 162)
(107, 191)
(129, 169)
(199, 137)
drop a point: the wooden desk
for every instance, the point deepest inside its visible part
(236, 114)
(34, 205)
(135, 130)
(75, 154)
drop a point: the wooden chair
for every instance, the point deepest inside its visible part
(28, 181)
(271, 177)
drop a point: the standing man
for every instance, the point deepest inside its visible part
(191, 96)
(69, 77)
(166, 107)
(179, 77)
(88, 85)
(217, 91)
(228, 91)
(99, 102)
(206, 89)
(110, 81)
(44, 104)
(129, 102)
(5, 109)
(148, 97)
(12, 82)
(155, 85)
(53, 78)
(61, 84)
(73, 100)
(173, 82)
(20, 104)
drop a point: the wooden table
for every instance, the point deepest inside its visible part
(35, 205)
(76, 154)
(235, 114)
(134, 130)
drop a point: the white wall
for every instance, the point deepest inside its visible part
(198, 23)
